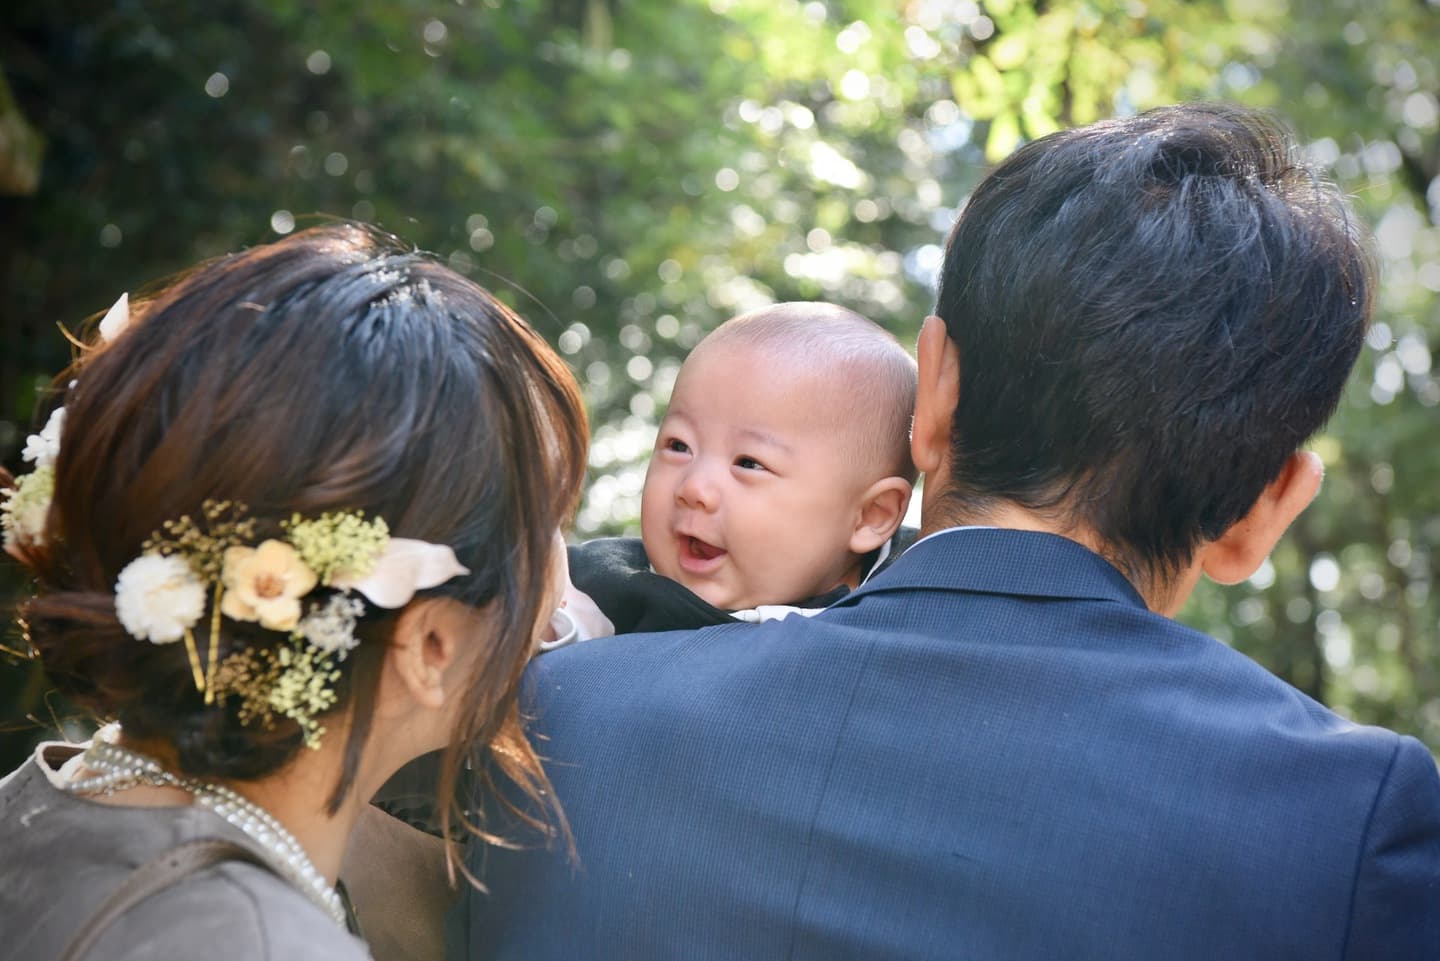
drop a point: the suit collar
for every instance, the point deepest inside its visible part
(992, 560)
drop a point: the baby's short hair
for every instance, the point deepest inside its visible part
(880, 376)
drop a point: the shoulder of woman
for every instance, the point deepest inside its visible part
(233, 912)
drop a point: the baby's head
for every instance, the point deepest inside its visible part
(784, 457)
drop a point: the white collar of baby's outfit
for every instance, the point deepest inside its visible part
(773, 612)
(566, 630)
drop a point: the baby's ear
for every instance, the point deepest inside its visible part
(882, 508)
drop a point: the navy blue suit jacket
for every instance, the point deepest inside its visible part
(992, 750)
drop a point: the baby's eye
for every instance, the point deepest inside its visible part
(677, 445)
(748, 463)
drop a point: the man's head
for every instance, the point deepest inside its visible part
(783, 458)
(1149, 316)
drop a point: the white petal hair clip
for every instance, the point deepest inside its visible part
(405, 567)
(116, 319)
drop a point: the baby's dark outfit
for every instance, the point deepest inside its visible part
(616, 573)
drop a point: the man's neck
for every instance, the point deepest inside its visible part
(938, 515)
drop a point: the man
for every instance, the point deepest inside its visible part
(1001, 746)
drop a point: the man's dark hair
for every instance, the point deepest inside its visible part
(1152, 313)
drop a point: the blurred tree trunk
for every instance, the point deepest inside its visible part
(21, 147)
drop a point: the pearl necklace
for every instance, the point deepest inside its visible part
(117, 768)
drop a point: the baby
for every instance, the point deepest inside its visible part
(780, 476)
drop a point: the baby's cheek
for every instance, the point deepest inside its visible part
(651, 525)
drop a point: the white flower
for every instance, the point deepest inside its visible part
(158, 597)
(331, 626)
(265, 584)
(41, 449)
(24, 508)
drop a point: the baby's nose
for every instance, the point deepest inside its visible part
(697, 489)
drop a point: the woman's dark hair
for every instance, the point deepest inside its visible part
(1152, 314)
(332, 370)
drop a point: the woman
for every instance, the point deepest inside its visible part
(294, 528)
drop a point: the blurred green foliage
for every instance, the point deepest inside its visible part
(629, 174)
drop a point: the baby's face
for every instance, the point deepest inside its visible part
(753, 491)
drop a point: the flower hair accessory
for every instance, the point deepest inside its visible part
(23, 509)
(163, 594)
(26, 505)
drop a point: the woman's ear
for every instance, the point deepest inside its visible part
(1240, 551)
(882, 508)
(425, 645)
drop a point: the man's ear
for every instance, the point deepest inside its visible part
(936, 396)
(882, 508)
(1240, 551)
(425, 645)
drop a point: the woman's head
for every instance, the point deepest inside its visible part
(331, 371)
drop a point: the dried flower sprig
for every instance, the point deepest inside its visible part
(339, 545)
(25, 507)
(295, 680)
(223, 525)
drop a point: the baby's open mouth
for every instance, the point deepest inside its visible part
(695, 548)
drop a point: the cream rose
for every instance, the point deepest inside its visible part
(157, 598)
(265, 584)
